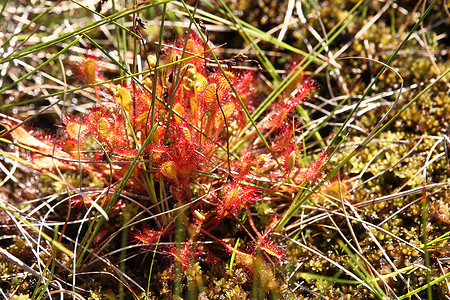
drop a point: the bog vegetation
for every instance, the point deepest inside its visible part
(149, 153)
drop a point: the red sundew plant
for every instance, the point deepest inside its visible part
(269, 247)
(179, 138)
(147, 236)
(88, 72)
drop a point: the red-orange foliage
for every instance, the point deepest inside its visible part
(187, 136)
